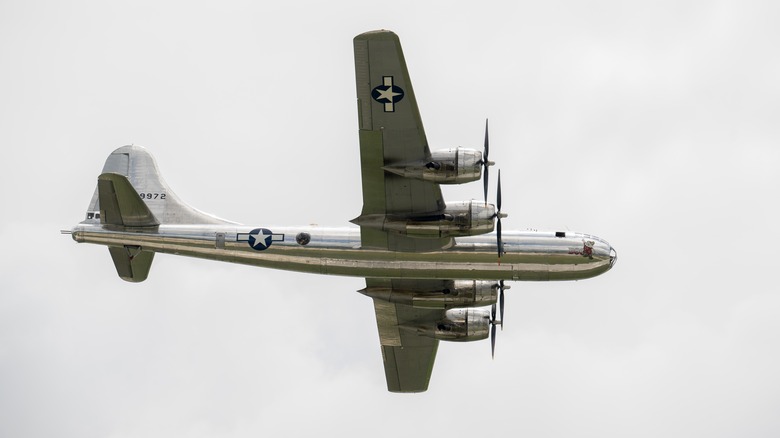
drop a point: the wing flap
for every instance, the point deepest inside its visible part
(371, 162)
(387, 323)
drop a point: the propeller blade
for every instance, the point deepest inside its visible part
(498, 192)
(485, 162)
(493, 341)
(487, 144)
(493, 312)
(501, 304)
(485, 181)
(499, 242)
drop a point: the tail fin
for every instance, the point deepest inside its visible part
(139, 167)
(131, 194)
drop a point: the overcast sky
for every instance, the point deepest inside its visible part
(652, 124)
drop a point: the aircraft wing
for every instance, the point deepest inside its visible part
(408, 357)
(391, 132)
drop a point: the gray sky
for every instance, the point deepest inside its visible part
(651, 124)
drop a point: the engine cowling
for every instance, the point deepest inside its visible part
(452, 293)
(460, 325)
(465, 218)
(447, 166)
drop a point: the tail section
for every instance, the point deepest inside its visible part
(138, 166)
(132, 196)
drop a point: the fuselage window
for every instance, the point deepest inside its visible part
(303, 238)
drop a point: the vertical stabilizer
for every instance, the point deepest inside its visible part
(132, 196)
(139, 167)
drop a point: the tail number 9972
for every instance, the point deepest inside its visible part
(152, 195)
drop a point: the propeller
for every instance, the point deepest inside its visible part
(498, 215)
(485, 162)
(493, 321)
(501, 288)
(493, 324)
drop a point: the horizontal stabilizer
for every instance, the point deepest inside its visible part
(121, 205)
(131, 263)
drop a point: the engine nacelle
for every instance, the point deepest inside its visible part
(452, 293)
(448, 166)
(465, 218)
(460, 325)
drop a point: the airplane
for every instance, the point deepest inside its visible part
(435, 270)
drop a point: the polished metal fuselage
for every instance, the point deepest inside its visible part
(529, 255)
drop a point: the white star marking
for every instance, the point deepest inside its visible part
(388, 94)
(261, 239)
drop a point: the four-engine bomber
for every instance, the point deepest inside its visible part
(431, 267)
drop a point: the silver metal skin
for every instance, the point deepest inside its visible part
(448, 166)
(529, 255)
(464, 218)
(453, 293)
(458, 325)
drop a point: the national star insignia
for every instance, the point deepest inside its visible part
(260, 239)
(387, 93)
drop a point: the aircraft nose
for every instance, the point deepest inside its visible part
(612, 257)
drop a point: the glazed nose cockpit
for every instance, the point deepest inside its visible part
(612, 257)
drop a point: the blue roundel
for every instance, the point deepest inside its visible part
(387, 94)
(260, 238)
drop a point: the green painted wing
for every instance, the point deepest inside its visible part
(408, 357)
(391, 131)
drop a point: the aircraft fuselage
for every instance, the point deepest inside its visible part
(529, 255)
